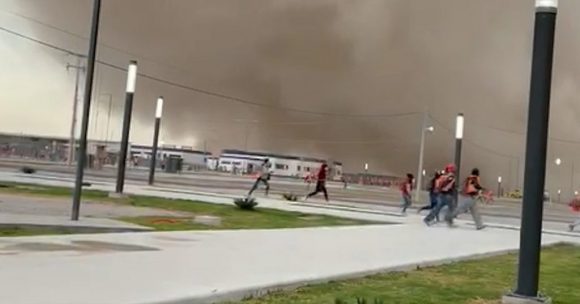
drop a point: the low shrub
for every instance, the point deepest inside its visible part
(246, 203)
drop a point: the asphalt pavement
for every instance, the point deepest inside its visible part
(369, 197)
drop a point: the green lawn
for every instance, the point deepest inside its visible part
(473, 282)
(13, 188)
(19, 231)
(231, 216)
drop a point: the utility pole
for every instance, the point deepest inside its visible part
(108, 116)
(205, 152)
(418, 186)
(72, 142)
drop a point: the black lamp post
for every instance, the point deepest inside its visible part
(82, 154)
(130, 92)
(153, 165)
(536, 148)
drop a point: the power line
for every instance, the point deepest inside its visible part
(210, 93)
(84, 38)
(470, 141)
(224, 96)
(254, 103)
(523, 134)
(46, 44)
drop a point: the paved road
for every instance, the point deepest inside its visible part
(357, 195)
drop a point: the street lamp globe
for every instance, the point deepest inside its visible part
(460, 120)
(159, 108)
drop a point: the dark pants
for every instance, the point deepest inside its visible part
(320, 187)
(445, 199)
(433, 202)
(258, 181)
(406, 202)
(451, 207)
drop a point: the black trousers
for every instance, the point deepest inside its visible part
(257, 183)
(320, 187)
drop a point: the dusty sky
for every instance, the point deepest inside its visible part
(359, 62)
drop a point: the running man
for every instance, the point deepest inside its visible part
(446, 188)
(433, 194)
(320, 183)
(472, 189)
(406, 189)
(263, 177)
(575, 205)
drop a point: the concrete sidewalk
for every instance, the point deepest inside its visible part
(204, 267)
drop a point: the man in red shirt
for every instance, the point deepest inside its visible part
(575, 205)
(321, 182)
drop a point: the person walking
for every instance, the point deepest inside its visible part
(433, 194)
(320, 182)
(470, 195)
(575, 205)
(445, 186)
(263, 177)
(406, 189)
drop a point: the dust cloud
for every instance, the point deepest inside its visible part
(353, 60)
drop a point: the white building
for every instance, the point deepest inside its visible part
(243, 162)
(190, 156)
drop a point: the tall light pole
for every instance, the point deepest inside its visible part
(130, 92)
(73, 128)
(572, 178)
(109, 116)
(424, 129)
(153, 165)
(459, 126)
(558, 162)
(536, 146)
(82, 155)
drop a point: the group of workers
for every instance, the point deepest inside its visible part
(443, 193)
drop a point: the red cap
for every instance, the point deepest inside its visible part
(450, 168)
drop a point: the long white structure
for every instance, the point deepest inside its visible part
(282, 165)
(188, 154)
